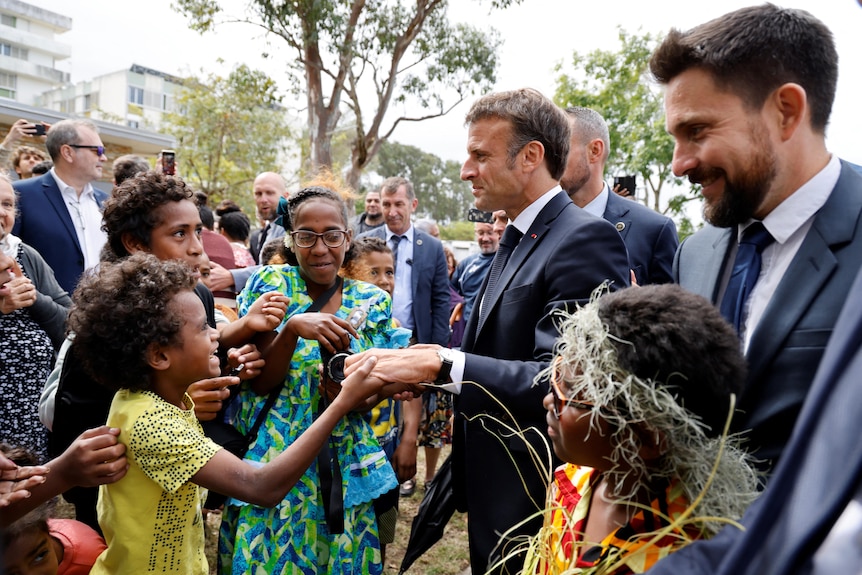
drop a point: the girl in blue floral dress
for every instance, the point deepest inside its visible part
(294, 537)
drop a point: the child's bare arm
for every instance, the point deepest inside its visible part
(264, 315)
(94, 458)
(267, 485)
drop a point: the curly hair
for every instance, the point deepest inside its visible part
(324, 186)
(131, 209)
(121, 310)
(657, 361)
(359, 248)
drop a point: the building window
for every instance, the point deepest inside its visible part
(8, 85)
(133, 123)
(14, 51)
(136, 95)
(8, 20)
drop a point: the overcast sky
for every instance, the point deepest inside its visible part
(537, 35)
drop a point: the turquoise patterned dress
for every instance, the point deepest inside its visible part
(293, 537)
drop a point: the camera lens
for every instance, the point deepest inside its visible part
(335, 367)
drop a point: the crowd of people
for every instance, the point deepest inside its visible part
(161, 357)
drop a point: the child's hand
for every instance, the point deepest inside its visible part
(246, 361)
(331, 332)
(16, 482)
(358, 388)
(208, 395)
(96, 457)
(267, 312)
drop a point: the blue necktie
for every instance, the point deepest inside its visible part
(510, 239)
(394, 242)
(746, 269)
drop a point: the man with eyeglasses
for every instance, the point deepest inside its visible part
(61, 211)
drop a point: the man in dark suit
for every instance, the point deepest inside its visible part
(60, 213)
(650, 237)
(552, 256)
(748, 113)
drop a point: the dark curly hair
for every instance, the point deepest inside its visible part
(131, 209)
(122, 309)
(38, 518)
(310, 193)
(677, 338)
(359, 248)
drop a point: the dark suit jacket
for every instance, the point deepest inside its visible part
(788, 343)
(430, 287)
(561, 259)
(45, 224)
(650, 238)
(818, 475)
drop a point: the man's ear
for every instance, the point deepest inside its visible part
(133, 244)
(791, 105)
(533, 154)
(157, 358)
(595, 151)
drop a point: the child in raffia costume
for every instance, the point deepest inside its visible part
(640, 392)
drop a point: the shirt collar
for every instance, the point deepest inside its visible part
(69, 191)
(599, 204)
(791, 214)
(408, 235)
(526, 218)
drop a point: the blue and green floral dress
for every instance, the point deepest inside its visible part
(293, 537)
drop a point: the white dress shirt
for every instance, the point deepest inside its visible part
(87, 219)
(402, 294)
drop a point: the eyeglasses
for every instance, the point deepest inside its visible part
(100, 150)
(331, 239)
(560, 399)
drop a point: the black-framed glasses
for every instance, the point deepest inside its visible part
(331, 238)
(100, 150)
(560, 399)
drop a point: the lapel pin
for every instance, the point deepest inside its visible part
(534, 236)
(620, 226)
(418, 242)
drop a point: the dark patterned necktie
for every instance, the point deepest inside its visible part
(746, 269)
(510, 239)
(394, 242)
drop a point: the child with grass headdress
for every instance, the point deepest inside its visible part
(641, 388)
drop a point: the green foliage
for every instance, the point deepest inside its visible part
(357, 57)
(619, 87)
(460, 230)
(228, 130)
(437, 183)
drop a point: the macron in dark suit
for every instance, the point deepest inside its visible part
(517, 146)
(45, 222)
(650, 238)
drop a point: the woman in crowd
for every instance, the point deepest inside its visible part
(33, 309)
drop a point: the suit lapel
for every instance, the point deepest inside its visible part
(55, 199)
(812, 266)
(616, 211)
(418, 252)
(525, 247)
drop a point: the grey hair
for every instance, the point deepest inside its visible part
(590, 125)
(65, 132)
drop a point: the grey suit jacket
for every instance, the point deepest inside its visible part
(788, 343)
(650, 238)
(430, 283)
(818, 475)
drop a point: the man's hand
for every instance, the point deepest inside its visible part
(19, 130)
(220, 278)
(414, 365)
(208, 395)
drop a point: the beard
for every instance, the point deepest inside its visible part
(572, 183)
(743, 194)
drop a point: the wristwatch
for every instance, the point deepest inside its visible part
(445, 355)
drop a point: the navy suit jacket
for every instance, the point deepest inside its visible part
(430, 287)
(818, 475)
(650, 238)
(560, 260)
(788, 343)
(44, 223)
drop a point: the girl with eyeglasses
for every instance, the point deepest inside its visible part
(640, 391)
(326, 524)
